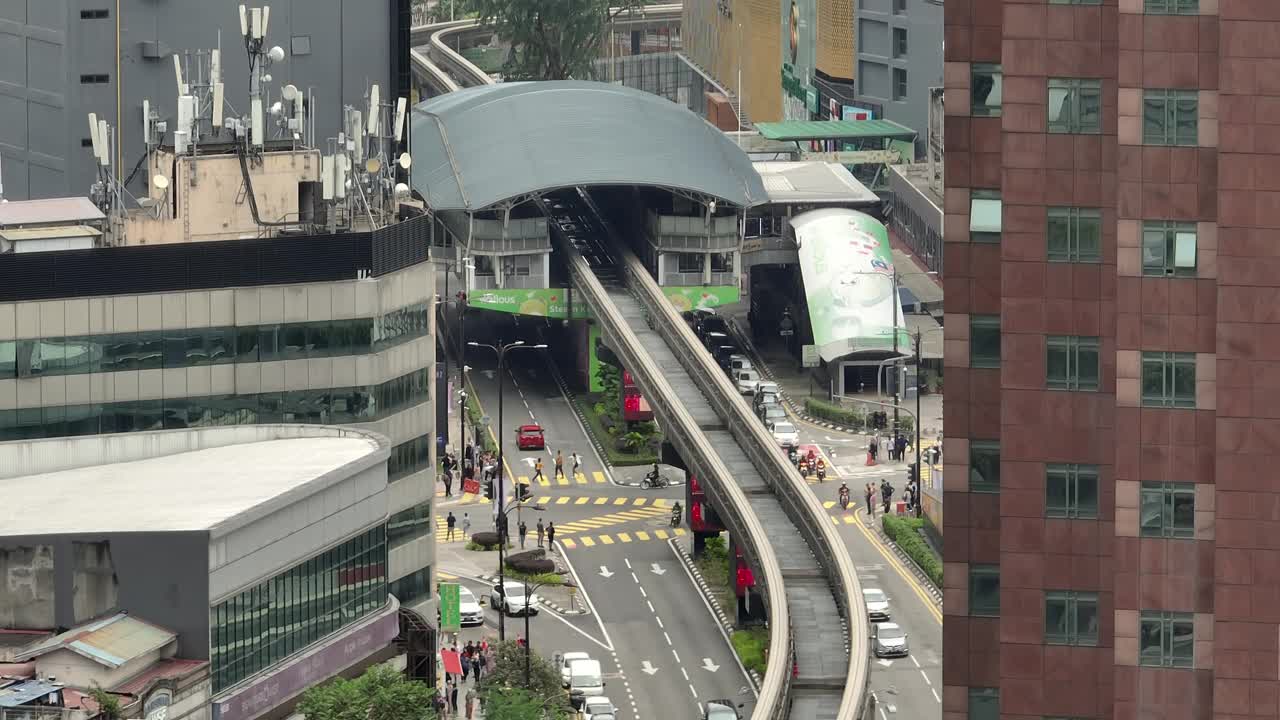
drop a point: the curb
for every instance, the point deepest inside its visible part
(556, 608)
(715, 604)
(925, 581)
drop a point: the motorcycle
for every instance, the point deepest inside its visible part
(675, 515)
(844, 500)
(653, 480)
(804, 467)
(822, 473)
(793, 455)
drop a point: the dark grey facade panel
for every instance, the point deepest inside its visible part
(160, 577)
(479, 146)
(876, 60)
(47, 45)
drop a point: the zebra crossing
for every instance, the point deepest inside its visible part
(596, 477)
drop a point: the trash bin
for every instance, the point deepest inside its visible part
(902, 508)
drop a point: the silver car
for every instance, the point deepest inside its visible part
(889, 640)
(877, 605)
(746, 380)
(772, 414)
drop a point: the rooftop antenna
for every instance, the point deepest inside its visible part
(254, 23)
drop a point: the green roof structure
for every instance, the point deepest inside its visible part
(802, 130)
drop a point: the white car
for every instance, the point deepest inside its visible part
(565, 660)
(877, 604)
(767, 386)
(746, 380)
(599, 708)
(785, 433)
(469, 607)
(515, 601)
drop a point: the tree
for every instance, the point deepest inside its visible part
(108, 704)
(381, 693)
(506, 695)
(551, 39)
(611, 380)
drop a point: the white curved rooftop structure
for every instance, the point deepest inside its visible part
(179, 480)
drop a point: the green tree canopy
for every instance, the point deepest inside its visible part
(506, 695)
(381, 693)
(551, 39)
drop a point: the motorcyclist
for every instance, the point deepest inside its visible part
(653, 473)
(844, 496)
(804, 466)
(676, 514)
(813, 457)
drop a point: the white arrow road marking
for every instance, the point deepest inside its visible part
(605, 572)
(839, 440)
(529, 461)
(490, 374)
(886, 663)
(648, 667)
(657, 569)
(708, 665)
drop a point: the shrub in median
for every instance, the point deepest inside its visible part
(834, 413)
(904, 532)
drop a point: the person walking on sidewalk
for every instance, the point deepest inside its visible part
(559, 464)
(466, 525)
(481, 663)
(541, 532)
(450, 521)
(577, 462)
(524, 530)
(537, 466)
(471, 702)
(453, 699)
(446, 467)
(465, 660)
(551, 535)
(870, 493)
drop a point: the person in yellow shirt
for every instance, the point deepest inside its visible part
(537, 466)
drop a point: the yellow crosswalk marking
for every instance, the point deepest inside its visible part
(849, 519)
(829, 504)
(606, 539)
(582, 501)
(620, 501)
(542, 500)
(588, 542)
(581, 479)
(642, 535)
(601, 500)
(569, 543)
(680, 532)
(623, 537)
(640, 501)
(522, 480)
(562, 481)
(662, 534)
(598, 476)
(544, 482)
(562, 501)
(660, 502)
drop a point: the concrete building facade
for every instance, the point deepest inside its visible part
(63, 59)
(1110, 356)
(899, 57)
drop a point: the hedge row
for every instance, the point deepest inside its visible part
(853, 418)
(905, 533)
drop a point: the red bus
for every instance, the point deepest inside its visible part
(634, 407)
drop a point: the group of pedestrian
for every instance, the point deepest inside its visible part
(474, 658)
(898, 448)
(886, 496)
(474, 461)
(451, 524)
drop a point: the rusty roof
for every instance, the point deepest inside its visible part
(111, 641)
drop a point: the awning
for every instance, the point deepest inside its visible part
(984, 215)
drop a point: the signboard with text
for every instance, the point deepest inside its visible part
(450, 607)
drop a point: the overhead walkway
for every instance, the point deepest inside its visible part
(810, 583)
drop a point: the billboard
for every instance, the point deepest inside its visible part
(450, 607)
(554, 302)
(848, 281)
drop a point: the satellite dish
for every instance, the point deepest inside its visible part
(277, 108)
(266, 77)
(402, 190)
(405, 161)
(372, 165)
(276, 53)
(160, 182)
(289, 93)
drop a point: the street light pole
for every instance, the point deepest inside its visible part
(897, 380)
(919, 468)
(528, 644)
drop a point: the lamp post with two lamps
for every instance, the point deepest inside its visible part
(500, 511)
(461, 298)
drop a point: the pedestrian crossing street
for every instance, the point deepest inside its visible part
(596, 477)
(587, 541)
(658, 508)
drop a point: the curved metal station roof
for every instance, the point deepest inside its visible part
(480, 146)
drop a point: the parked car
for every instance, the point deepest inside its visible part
(785, 434)
(509, 598)
(746, 380)
(767, 386)
(530, 437)
(877, 604)
(763, 398)
(738, 362)
(889, 640)
(709, 322)
(713, 340)
(722, 353)
(771, 414)
(599, 708)
(722, 709)
(564, 660)
(585, 680)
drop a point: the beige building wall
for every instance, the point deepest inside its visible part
(715, 42)
(836, 47)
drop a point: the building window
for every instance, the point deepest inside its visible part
(899, 84)
(1172, 7)
(300, 45)
(689, 262)
(984, 590)
(1075, 106)
(1075, 234)
(1166, 639)
(984, 703)
(899, 42)
(986, 216)
(1168, 510)
(412, 588)
(1070, 618)
(899, 7)
(1171, 117)
(98, 79)
(1168, 379)
(483, 265)
(1169, 249)
(984, 466)
(985, 82)
(98, 14)
(722, 262)
(1071, 362)
(517, 265)
(409, 525)
(984, 341)
(1071, 491)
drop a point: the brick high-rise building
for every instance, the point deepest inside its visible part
(1113, 361)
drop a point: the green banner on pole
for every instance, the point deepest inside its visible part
(450, 607)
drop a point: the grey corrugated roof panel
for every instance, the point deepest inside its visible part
(22, 693)
(49, 210)
(479, 146)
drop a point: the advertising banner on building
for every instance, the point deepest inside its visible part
(848, 282)
(554, 302)
(450, 607)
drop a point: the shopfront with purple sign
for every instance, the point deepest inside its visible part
(325, 661)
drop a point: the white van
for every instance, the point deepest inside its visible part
(565, 661)
(585, 679)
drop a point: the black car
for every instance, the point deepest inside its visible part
(713, 340)
(722, 353)
(709, 323)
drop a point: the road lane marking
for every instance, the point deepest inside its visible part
(582, 501)
(655, 617)
(601, 500)
(650, 606)
(628, 562)
(606, 539)
(935, 695)
(668, 637)
(586, 598)
(624, 537)
(562, 501)
(914, 660)
(642, 592)
(620, 501)
(588, 542)
(715, 619)
(581, 479)
(662, 534)
(598, 476)
(926, 678)
(640, 501)
(562, 481)
(642, 535)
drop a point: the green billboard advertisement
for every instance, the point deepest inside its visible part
(554, 302)
(849, 282)
(700, 297)
(450, 607)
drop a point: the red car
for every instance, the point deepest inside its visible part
(529, 437)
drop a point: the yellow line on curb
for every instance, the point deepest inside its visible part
(906, 574)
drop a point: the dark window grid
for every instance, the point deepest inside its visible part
(1166, 639)
(1071, 491)
(1168, 379)
(1159, 246)
(984, 590)
(689, 262)
(1074, 235)
(1071, 618)
(984, 466)
(1075, 106)
(1071, 363)
(1167, 510)
(1171, 117)
(95, 79)
(899, 84)
(1172, 7)
(984, 341)
(899, 42)
(96, 14)
(986, 90)
(984, 703)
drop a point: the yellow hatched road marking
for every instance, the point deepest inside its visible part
(849, 520)
(581, 479)
(662, 534)
(640, 501)
(829, 504)
(588, 542)
(660, 502)
(582, 501)
(601, 500)
(598, 476)
(624, 537)
(642, 535)
(522, 480)
(569, 543)
(606, 539)
(562, 481)
(620, 501)
(544, 482)
(562, 501)
(542, 500)
(680, 532)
